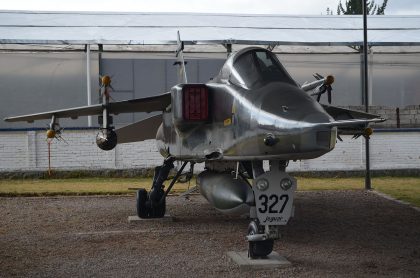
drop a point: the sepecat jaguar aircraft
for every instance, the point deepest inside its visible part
(252, 111)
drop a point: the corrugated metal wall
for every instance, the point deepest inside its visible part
(36, 82)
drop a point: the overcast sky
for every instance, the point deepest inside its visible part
(312, 7)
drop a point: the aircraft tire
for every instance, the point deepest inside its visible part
(258, 249)
(143, 211)
(159, 210)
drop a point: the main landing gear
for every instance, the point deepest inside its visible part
(274, 193)
(153, 204)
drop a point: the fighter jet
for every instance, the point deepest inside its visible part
(252, 111)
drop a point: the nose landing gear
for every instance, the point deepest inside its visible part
(274, 192)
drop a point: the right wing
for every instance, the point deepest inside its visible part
(148, 104)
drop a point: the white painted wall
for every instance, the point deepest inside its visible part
(387, 151)
(29, 151)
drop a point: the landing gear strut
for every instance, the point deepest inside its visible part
(153, 204)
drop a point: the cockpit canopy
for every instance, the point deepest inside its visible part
(256, 67)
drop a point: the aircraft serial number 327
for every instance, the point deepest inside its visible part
(250, 112)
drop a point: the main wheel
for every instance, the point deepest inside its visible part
(157, 205)
(143, 211)
(159, 210)
(258, 249)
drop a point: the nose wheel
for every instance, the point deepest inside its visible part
(258, 248)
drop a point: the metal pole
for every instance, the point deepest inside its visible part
(100, 68)
(89, 91)
(368, 184)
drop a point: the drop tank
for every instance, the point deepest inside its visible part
(225, 192)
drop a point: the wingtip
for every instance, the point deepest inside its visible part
(15, 119)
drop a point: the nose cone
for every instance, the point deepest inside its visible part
(291, 103)
(281, 121)
(288, 124)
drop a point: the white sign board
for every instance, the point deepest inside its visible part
(274, 193)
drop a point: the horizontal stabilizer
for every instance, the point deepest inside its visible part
(148, 104)
(139, 131)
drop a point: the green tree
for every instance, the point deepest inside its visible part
(356, 7)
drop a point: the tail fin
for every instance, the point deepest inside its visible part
(182, 73)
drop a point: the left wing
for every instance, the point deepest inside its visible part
(351, 122)
(346, 114)
(350, 118)
(148, 104)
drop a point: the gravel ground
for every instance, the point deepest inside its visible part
(334, 233)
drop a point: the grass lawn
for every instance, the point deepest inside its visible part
(403, 188)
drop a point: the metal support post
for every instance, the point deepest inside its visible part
(89, 89)
(368, 184)
(100, 66)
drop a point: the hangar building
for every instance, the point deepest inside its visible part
(52, 60)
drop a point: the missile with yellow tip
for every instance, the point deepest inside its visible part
(368, 132)
(51, 134)
(329, 80)
(106, 80)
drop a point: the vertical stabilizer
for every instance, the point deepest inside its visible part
(182, 73)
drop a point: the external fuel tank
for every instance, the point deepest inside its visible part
(225, 192)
